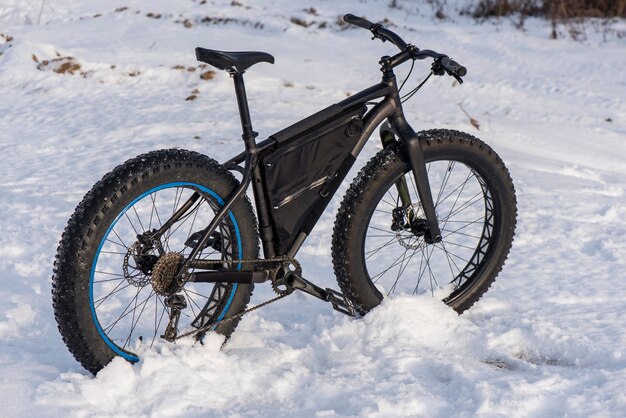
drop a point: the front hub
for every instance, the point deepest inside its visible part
(411, 219)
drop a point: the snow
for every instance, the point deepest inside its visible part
(548, 339)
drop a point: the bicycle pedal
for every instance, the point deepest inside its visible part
(340, 303)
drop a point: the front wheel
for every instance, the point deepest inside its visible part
(122, 247)
(379, 240)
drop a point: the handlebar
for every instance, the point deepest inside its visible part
(450, 66)
(378, 30)
(358, 21)
(453, 67)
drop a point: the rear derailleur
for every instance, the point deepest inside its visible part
(176, 303)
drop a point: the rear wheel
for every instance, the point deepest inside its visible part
(110, 281)
(379, 241)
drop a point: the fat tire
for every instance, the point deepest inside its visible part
(351, 225)
(87, 225)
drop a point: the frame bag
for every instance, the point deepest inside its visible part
(307, 166)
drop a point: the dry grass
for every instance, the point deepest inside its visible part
(553, 9)
(569, 12)
(208, 75)
(60, 65)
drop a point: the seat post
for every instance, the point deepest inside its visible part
(244, 112)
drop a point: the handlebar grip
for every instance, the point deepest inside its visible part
(453, 66)
(358, 21)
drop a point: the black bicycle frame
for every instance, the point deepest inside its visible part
(389, 108)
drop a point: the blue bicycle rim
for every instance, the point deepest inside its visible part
(119, 351)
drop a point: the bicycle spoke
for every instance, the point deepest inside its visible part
(157, 326)
(478, 197)
(382, 230)
(400, 271)
(459, 229)
(450, 260)
(181, 222)
(109, 274)
(131, 223)
(117, 243)
(460, 245)
(121, 240)
(124, 314)
(138, 218)
(135, 324)
(193, 302)
(116, 290)
(197, 294)
(108, 280)
(444, 182)
(379, 248)
(431, 276)
(460, 186)
(395, 263)
(156, 211)
(112, 253)
(461, 233)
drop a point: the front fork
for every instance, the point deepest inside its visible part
(418, 165)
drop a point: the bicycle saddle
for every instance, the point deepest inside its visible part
(232, 61)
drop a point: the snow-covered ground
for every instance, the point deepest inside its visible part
(548, 339)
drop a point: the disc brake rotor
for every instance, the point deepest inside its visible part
(135, 274)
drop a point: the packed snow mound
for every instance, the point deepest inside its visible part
(379, 365)
(409, 356)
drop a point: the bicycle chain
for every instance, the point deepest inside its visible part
(281, 295)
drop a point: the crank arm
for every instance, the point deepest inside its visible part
(336, 299)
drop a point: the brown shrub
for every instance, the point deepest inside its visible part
(62, 65)
(570, 12)
(208, 75)
(553, 9)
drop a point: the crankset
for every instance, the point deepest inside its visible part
(291, 279)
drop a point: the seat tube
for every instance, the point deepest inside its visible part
(244, 112)
(260, 195)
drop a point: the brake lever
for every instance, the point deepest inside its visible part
(438, 69)
(457, 77)
(375, 34)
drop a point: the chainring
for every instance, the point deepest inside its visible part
(279, 284)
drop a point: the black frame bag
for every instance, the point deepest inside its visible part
(311, 159)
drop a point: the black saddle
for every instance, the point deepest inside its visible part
(232, 61)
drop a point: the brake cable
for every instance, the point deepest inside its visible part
(407, 76)
(412, 92)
